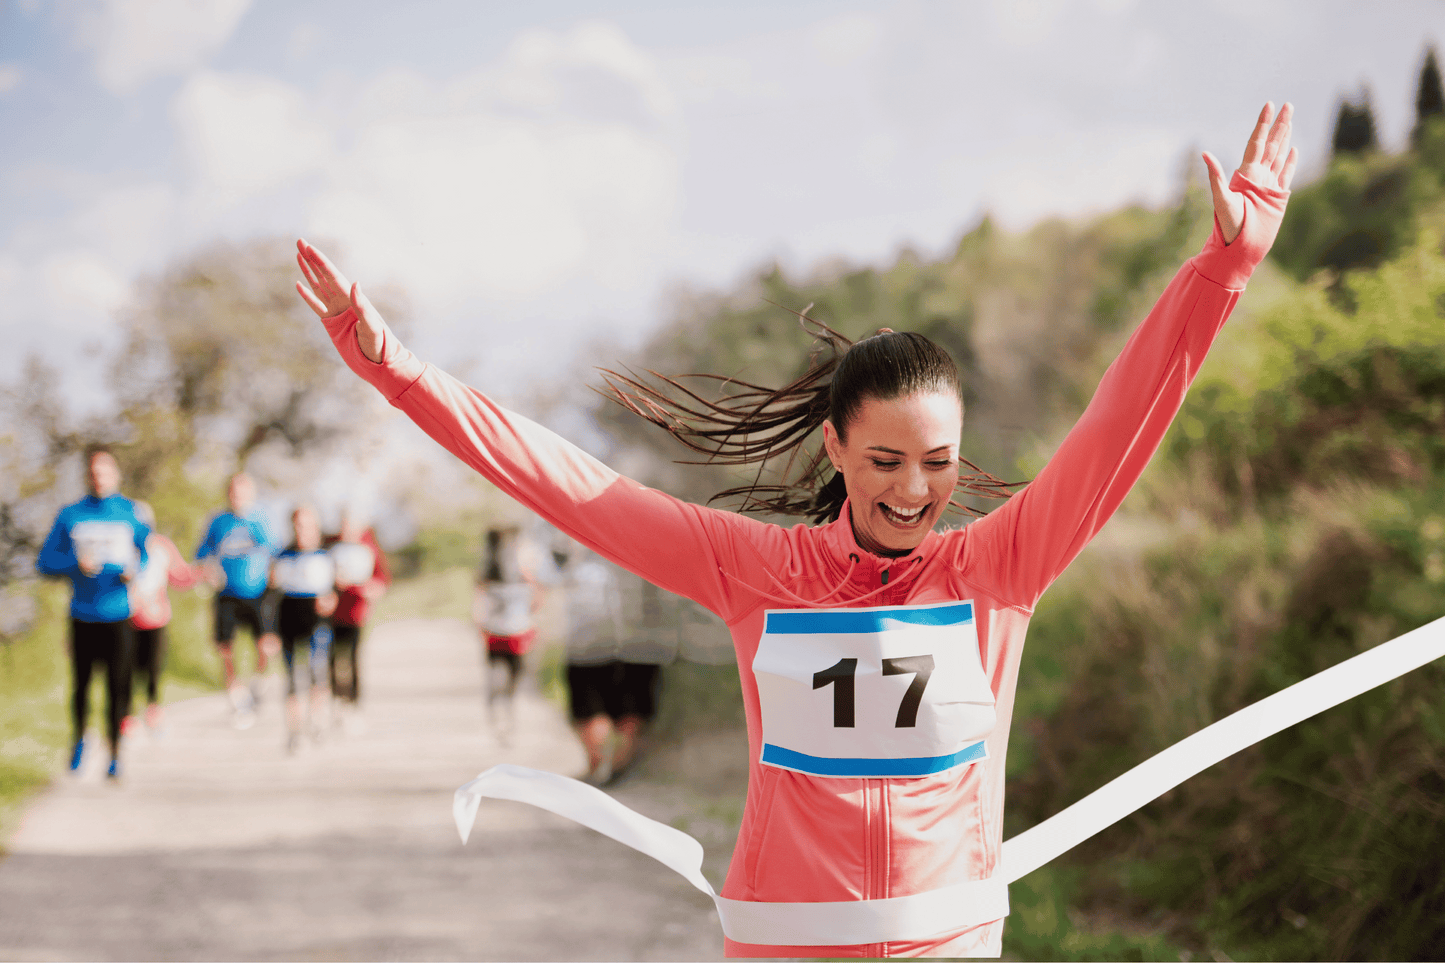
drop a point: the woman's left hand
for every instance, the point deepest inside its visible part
(1269, 161)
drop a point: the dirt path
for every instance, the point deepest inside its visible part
(219, 845)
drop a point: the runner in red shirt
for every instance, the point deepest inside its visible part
(362, 576)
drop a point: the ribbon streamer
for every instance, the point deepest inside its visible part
(924, 914)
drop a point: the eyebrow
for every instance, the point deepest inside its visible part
(895, 451)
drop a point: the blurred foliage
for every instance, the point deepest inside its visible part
(435, 550)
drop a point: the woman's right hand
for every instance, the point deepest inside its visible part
(330, 295)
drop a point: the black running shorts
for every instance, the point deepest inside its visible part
(614, 689)
(231, 612)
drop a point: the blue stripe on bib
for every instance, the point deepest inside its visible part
(858, 621)
(874, 768)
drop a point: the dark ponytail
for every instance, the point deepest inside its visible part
(758, 423)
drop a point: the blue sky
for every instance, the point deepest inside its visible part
(535, 175)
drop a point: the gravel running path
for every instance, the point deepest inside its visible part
(219, 845)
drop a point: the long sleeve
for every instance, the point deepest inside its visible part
(1025, 544)
(57, 554)
(677, 545)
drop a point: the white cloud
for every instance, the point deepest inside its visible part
(139, 40)
(81, 280)
(247, 135)
(845, 40)
(10, 77)
(555, 166)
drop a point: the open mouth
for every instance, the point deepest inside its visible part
(903, 517)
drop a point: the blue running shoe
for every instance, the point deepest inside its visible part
(76, 754)
(114, 771)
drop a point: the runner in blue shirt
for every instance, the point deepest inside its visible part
(241, 543)
(99, 544)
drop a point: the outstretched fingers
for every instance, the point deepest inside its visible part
(1276, 147)
(311, 300)
(328, 286)
(1286, 176)
(1254, 149)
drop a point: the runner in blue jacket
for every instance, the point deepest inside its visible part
(242, 545)
(99, 544)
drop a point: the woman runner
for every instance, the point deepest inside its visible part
(150, 610)
(307, 579)
(878, 657)
(504, 609)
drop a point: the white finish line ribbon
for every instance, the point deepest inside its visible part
(967, 904)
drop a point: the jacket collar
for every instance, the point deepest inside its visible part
(869, 569)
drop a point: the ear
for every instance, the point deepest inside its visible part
(833, 446)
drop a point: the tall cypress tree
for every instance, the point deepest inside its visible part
(1355, 126)
(1429, 96)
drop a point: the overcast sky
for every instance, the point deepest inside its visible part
(535, 172)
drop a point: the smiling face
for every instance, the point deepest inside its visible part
(899, 463)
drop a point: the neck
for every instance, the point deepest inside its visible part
(868, 546)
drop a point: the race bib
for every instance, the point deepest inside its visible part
(105, 543)
(153, 579)
(238, 543)
(873, 692)
(354, 562)
(302, 575)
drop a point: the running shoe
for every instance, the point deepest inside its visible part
(114, 771)
(76, 754)
(244, 719)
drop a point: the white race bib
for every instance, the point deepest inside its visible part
(891, 691)
(154, 577)
(105, 543)
(308, 574)
(354, 562)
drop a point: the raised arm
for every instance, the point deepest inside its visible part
(678, 546)
(1025, 544)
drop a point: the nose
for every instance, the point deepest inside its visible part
(914, 484)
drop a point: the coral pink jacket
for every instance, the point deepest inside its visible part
(811, 839)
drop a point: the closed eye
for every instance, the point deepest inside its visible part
(885, 465)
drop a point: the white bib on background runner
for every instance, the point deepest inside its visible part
(354, 562)
(309, 573)
(106, 543)
(892, 691)
(153, 579)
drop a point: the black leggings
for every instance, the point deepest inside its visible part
(150, 655)
(345, 664)
(112, 643)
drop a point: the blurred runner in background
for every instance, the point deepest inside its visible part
(150, 611)
(620, 633)
(241, 543)
(99, 544)
(504, 609)
(306, 577)
(361, 576)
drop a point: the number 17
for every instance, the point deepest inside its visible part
(840, 676)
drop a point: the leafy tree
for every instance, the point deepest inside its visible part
(1429, 96)
(1354, 126)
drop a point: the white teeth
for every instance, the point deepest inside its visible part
(902, 512)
